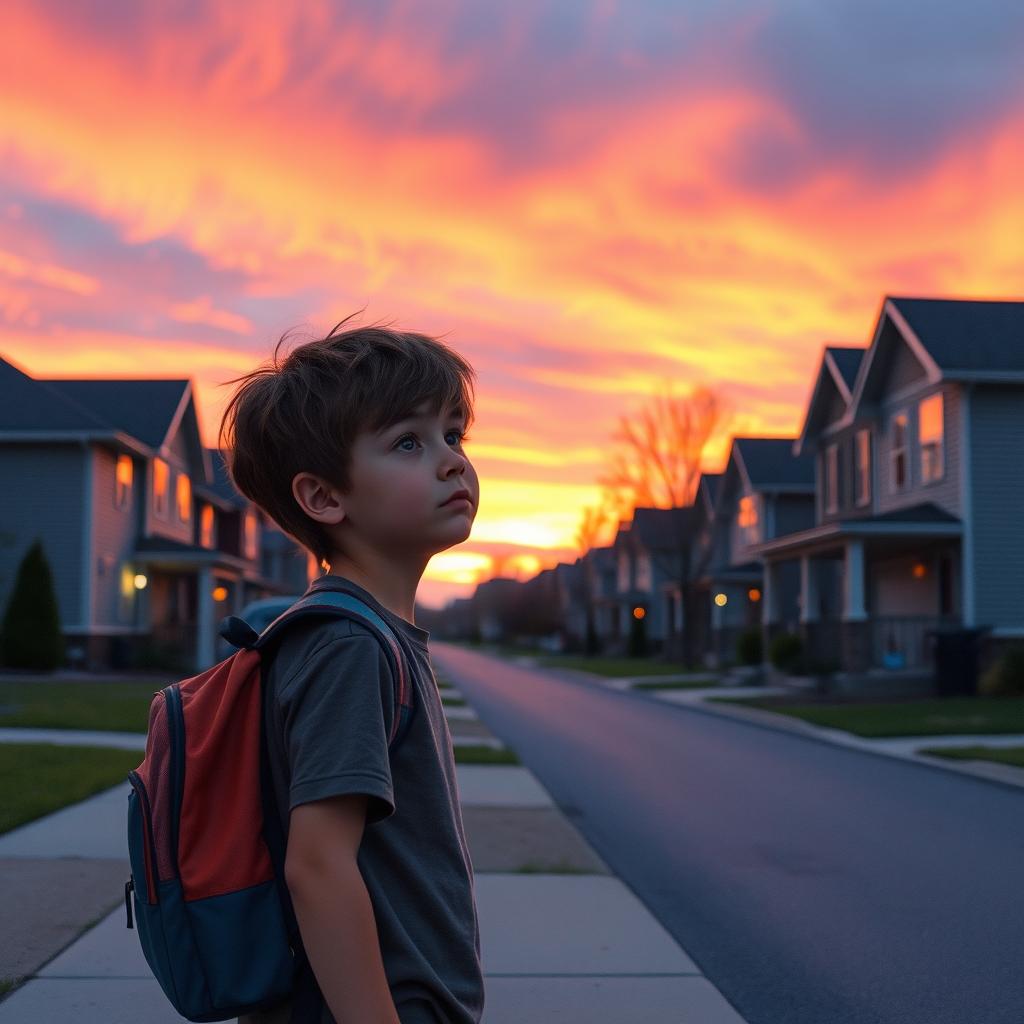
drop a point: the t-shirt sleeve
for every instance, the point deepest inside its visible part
(337, 709)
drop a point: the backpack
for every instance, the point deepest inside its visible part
(205, 841)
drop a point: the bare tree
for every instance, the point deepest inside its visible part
(657, 464)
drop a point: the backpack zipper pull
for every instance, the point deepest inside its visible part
(129, 886)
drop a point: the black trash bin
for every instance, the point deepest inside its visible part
(955, 654)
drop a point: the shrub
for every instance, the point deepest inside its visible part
(750, 647)
(786, 651)
(32, 636)
(1005, 677)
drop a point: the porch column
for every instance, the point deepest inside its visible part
(809, 600)
(853, 582)
(770, 595)
(204, 619)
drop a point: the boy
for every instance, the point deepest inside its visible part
(353, 446)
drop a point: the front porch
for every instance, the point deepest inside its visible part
(871, 592)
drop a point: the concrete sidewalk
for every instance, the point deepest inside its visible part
(562, 939)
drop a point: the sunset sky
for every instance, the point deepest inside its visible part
(586, 199)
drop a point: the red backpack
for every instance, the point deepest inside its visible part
(204, 837)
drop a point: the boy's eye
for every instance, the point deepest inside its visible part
(460, 437)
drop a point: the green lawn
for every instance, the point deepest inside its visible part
(947, 716)
(482, 754)
(452, 702)
(1002, 755)
(113, 706)
(692, 684)
(39, 777)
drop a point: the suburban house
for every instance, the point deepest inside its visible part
(601, 573)
(149, 544)
(765, 491)
(917, 445)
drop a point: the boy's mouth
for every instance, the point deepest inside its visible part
(463, 494)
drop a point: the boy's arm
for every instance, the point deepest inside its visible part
(333, 909)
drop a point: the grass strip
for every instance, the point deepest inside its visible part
(1001, 755)
(947, 716)
(39, 778)
(107, 706)
(692, 684)
(474, 754)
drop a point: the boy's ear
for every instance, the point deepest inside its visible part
(318, 499)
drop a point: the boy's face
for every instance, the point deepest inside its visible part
(401, 478)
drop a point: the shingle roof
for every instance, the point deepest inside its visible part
(926, 512)
(143, 409)
(662, 528)
(29, 404)
(770, 463)
(968, 334)
(847, 362)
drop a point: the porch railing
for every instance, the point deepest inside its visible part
(902, 642)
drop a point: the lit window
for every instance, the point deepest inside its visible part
(123, 476)
(832, 478)
(160, 481)
(250, 536)
(206, 526)
(898, 453)
(863, 447)
(183, 492)
(749, 518)
(931, 434)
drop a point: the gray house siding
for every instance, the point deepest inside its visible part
(997, 442)
(905, 368)
(792, 513)
(944, 492)
(43, 494)
(113, 538)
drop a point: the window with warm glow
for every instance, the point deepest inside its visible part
(930, 429)
(183, 493)
(748, 518)
(898, 453)
(863, 450)
(832, 478)
(161, 476)
(206, 526)
(123, 476)
(251, 536)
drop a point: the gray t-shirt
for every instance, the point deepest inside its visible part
(330, 702)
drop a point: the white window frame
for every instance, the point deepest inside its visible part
(932, 470)
(831, 479)
(901, 452)
(862, 459)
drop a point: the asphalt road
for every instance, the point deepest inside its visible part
(812, 884)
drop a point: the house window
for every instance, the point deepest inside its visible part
(748, 518)
(643, 571)
(931, 432)
(250, 536)
(160, 480)
(898, 462)
(206, 526)
(183, 493)
(832, 478)
(623, 580)
(123, 477)
(862, 449)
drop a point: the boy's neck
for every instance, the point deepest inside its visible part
(393, 584)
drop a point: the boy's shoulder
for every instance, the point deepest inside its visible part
(302, 640)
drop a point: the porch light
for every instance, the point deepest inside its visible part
(721, 600)
(638, 613)
(220, 593)
(754, 594)
(140, 581)
(920, 570)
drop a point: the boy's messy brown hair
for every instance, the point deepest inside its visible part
(302, 413)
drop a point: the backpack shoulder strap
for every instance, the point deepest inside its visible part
(340, 605)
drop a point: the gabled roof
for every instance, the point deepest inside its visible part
(220, 484)
(29, 405)
(145, 409)
(837, 373)
(662, 529)
(967, 336)
(768, 464)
